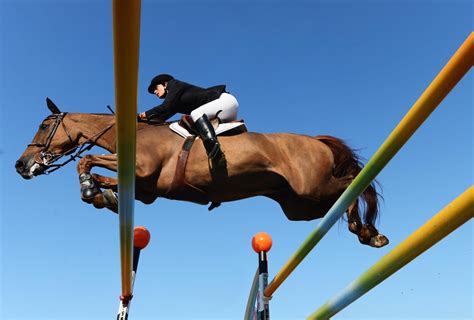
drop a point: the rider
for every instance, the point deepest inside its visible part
(202, 104)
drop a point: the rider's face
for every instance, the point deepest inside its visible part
(160, 90)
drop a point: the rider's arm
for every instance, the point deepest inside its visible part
(169, 107)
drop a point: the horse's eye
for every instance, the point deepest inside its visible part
(44, 126)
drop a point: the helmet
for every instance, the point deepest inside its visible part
(159, 79)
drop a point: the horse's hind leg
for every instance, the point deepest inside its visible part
(366, 233)
(297, 208)
(353, 218)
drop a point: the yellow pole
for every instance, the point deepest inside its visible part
(460, 63)
(443, 223)
(126, 26)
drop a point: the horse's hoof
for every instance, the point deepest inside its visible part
(89, 193)
(378, 241)
(110, 200)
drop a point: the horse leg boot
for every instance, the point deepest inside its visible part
(110, 199)
(211, 144)
(88, 187)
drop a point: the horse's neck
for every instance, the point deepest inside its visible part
(97, 128)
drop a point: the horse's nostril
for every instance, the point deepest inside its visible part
(19, 165)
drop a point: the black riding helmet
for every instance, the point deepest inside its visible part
(159, 79)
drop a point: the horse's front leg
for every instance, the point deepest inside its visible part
(105, 182)
(90, 184)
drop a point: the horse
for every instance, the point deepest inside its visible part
(304, 174)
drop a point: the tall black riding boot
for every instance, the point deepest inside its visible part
(209, 138)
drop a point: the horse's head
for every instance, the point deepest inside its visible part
(51, 141)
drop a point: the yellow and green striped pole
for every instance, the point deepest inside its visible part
(126, 26)
(446, 221)
(448, 77)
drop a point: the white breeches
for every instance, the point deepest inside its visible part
(225, 107)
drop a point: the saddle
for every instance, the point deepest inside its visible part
(180, 189)
(184, 127)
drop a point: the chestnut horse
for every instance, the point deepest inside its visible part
(304, 174)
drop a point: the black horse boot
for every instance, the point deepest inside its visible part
(208, 135)
(110, 200)
(88, 187)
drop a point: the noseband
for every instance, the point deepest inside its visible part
(48, 158)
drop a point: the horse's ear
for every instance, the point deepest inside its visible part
(52, 107)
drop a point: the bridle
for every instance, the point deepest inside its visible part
(47, 158)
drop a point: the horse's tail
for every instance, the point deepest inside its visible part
(347, 166)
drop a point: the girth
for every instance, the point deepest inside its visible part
(179, 188)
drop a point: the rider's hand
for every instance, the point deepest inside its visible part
(142, 116)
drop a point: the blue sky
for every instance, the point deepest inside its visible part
(344, 68)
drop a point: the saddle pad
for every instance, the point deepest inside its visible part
(223, 127)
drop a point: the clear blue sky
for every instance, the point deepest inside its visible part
(344, 68)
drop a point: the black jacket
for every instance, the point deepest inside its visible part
(183, 97)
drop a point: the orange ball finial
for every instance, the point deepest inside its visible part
(261, 242)
(141, 237)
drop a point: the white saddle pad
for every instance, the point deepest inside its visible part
(223, 127)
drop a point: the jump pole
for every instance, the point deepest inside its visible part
(448, 77)
(126, 29)
(141, 238)
(250, 310)
(261, 244)
(446, 221)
